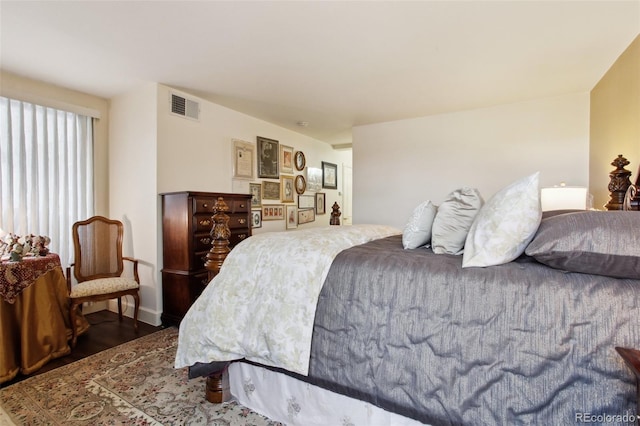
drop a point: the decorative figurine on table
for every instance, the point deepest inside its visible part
(14, 247)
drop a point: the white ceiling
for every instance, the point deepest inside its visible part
(335, 64)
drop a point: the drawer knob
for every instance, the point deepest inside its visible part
(242, 221)
(205, 240)
(242, 236)
(205, 222)
(205, 205)
(241, 206)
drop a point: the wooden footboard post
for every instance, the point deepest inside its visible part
(632, 359)
(220, 234)
(218, 389)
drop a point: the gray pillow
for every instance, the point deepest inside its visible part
(590, 242)
(453, 220)
(417, 233)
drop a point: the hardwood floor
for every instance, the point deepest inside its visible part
(105, 332)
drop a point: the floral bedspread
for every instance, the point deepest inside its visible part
(261, 306)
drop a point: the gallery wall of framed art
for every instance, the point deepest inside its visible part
(290, 187)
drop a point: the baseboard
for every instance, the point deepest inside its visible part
(145, 315)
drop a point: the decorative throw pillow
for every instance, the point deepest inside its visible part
(417, 233)
(590, 242)
(505, 225)
(453, 220)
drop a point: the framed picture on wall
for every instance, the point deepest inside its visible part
(273, 212)
(329, 175)
(286, 159)
(287, 189)
(306, 216)
(306, 202)
(301, 184)
(243, 159)
(270, 190)
(314, 178)
(268, 153)
(320, 203)
(256, 194)
(292, 217)
(256, 219)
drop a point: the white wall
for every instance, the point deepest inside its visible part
(197, 155)
(152, 151)
(398, 164)
(132, 195)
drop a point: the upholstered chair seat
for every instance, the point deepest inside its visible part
(103, 286)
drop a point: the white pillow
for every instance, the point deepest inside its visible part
(417, 233)
(453, 220)
(505, 225)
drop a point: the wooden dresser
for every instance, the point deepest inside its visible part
(186, 223)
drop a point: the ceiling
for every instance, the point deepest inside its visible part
(333, 64)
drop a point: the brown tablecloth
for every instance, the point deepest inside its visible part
(16, 276)
(36, 328)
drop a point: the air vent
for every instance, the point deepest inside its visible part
(184, 107)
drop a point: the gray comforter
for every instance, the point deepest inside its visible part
(520, 343)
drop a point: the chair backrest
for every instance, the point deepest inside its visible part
(97, 242)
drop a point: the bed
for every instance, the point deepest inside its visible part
(353, 325)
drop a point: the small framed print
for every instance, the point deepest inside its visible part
(270, 190)
(292, 217)
(300, 161)
(314, 179)
(329, 175)
(306, 216)
(320, 203)
(256, 219)
(256, 195)
(243, 159)
(306, 202)
(273, 212)
(286, 188)
(286, 159)
(301, 184)
(268, 153)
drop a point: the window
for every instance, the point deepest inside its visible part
(46, 173)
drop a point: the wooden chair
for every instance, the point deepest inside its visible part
(98, 267)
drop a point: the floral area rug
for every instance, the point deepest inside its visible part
(131, 384)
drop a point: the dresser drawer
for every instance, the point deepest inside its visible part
(203, 204)
(238, 220)
(237, 235)
(238, 206)
(202, 223)
(199, 259)
(202, 242)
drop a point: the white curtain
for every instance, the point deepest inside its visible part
(46, 178)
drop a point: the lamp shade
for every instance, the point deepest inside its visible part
(564, 198)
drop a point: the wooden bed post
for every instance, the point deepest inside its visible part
(632, 359)
(217, 386)
(618, 184)
(335, 214)
(632, 198)
(220, 234)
